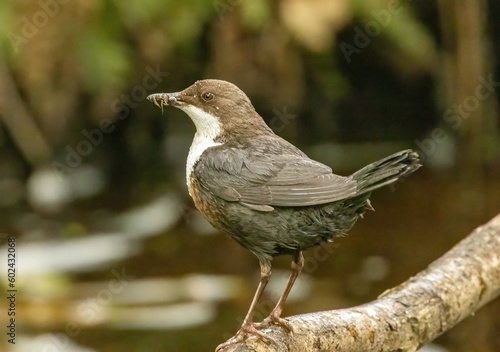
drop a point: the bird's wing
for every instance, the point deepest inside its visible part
(261, 180)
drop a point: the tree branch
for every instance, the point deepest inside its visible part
(406, 316)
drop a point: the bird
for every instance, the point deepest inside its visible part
(264, 192)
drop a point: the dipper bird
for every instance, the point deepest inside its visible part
(264, 192)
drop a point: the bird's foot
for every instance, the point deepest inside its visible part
(247, 330)
(274, 319)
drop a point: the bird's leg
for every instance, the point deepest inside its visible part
(275, 316)
(247, 328)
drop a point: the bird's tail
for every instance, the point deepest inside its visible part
(386, 171)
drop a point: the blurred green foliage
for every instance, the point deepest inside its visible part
(351, 71)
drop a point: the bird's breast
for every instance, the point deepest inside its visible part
(212, 209)
(199, 145)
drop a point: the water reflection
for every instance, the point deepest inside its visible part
(152, 269)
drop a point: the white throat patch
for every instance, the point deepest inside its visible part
(207, 129)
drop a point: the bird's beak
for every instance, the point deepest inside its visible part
(165, 99)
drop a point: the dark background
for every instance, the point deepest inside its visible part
(112, 256)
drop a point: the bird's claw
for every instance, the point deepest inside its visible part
(253, 329)
(244, 333)
(274, 319)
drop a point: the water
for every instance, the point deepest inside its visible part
(154, 276)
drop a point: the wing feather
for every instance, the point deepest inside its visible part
(291, 180)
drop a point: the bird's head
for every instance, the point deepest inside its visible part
(218, 108)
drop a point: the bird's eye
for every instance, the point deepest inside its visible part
(208, 96)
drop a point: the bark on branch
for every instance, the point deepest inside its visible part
(406, 316)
